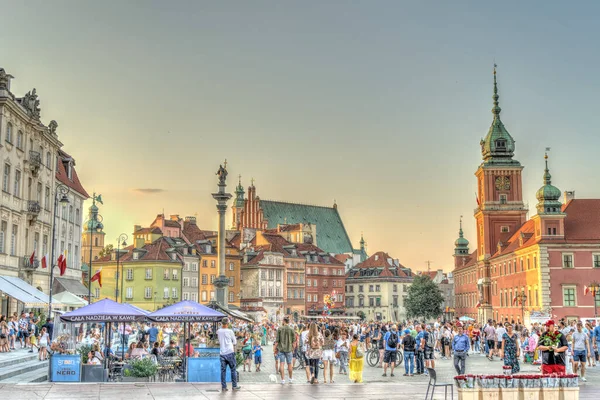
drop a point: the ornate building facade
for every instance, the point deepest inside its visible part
(524, 267)
(31, 164)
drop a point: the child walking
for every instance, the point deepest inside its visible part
(257, 355)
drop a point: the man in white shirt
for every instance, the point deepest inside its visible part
(227, 342)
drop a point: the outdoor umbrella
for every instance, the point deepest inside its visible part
(105, 311)
(466, 319)
(186, 311)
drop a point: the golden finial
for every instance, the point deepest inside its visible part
(225, 165)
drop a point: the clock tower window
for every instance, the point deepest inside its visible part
(502, 199)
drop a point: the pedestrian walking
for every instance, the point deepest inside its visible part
(460, 345)
(357, 358)
(227, 342)
(314, 351)
(581, 350)
(408, 344)
(285, 339)
(510, 349)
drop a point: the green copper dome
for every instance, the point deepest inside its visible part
(239, 194)
(498, 147)
(461, 245)
(548, 194)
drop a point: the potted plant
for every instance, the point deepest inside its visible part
(84, 350)
(140, 370)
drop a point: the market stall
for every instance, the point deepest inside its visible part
(201, 364)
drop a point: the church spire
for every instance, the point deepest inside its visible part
(496, 109)
(461, 245)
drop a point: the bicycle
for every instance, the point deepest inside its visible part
(373, 357)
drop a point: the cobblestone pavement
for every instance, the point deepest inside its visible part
(258, 385)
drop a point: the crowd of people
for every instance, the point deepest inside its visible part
(27, 332)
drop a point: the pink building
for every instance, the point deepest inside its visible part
(521, 267)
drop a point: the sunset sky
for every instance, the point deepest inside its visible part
(379, 105)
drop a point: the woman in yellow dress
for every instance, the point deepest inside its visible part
(356, 363)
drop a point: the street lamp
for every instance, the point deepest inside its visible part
(522, 299)
(594, 289)
(97, 218)
(122, 238)
(59, 197)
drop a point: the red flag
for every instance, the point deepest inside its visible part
(45, 261)
(586, 290)
(62, 263)
(477, 198)
(32, 258)
(515, 300)
(478, 304)
(97, 277)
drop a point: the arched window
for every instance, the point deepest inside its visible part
(96, 242)
(48, 160)
(20, 140)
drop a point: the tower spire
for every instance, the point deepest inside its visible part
(496, 109)
(547, 176)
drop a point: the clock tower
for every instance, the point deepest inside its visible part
(501, 210)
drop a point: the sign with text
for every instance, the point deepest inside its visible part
(65, 368)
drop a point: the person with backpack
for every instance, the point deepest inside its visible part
(429, 346)
(408, 345)
(391, 341)
(420, 349)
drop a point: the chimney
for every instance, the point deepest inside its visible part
(568, 196)
(136, 228)
(174, 217)
(139, 242)
(191, 220)
(390, 261)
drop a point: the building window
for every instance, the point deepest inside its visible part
(231, 281)
(309, 283)
(48, 160)
(148, 273)
(13, 240)
(504, 229)
(194, 267)
(569, 299)
(502, 199)
(175, 274)
(370, 288)
(70, 213)
(47, 199)
(129, 293)
(360, 288)
(231, 266)
(174, 293)
(17, 187)
(77, 218)
(204, 295)
(129, 274)
(166, 293)
(212, 279)
(97, 293)
(148, 293)
(377, 288)
(20, 140)
(194, 282)
(212, 263)
(212, 295)
(205, 263)
(314, 283)
(231, 297)
(166, 273)
(204, 279)
(186, 282)
(185, 296)
(596, 258)
(278, 275)
(9, 129)
(3, 228)
(6, 178)
(567, 260)
(194, 296)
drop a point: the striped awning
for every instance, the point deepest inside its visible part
(23, 291)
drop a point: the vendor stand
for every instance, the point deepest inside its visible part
(107, 311)
(206, 367)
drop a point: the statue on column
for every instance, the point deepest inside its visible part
(222, 173)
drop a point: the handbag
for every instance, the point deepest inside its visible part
(337, 354)
(359, 352)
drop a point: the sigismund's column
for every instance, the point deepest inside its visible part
(222, 282)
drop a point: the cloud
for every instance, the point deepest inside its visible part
(149, 190)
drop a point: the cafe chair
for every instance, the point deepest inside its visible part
(433, 384)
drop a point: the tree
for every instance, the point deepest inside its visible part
(424, 299)
(106, 251)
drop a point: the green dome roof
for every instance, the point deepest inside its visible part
(498, 147)
(461, 242)
(548, 195)
(461, 245)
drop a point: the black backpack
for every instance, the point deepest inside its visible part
(392, 340)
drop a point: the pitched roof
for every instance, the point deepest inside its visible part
(172, 224)
(155, 230)
(288, 228)
(342, 257)
(276, 243)
(156, 251)
(378, 265)
(191, 232)
(321, 260)
(582, 223)
(331, 233)
(63, 177)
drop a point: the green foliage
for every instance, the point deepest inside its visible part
(424, 299)
(141, 368)
(106, 251)
(83, 351)
(239, 358)
(361, 315)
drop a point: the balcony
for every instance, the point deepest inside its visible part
(35, 162)
(26, 264)
(33, 209)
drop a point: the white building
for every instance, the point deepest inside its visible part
(28, 164)
(376, 289)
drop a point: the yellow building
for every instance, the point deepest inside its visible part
(150, 275)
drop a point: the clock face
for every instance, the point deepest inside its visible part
(503, 183)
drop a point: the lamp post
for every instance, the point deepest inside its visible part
(59, 197)
(522, 299)
(95, 223)
(122, 238)
(594, 289)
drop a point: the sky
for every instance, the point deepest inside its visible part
(378, 105)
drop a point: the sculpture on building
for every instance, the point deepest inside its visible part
(31, 103)
(52, 127)
(4, 79)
